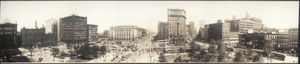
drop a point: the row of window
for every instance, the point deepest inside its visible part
(7, 32)
(8, 28)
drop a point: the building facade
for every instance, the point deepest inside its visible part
(282, 41)
(162, 31)
(32, 36)
(8, 36)
(73, 29)
(204, 33)
(177, 23)
(125, 33)
(50, 39)
(92, 32)
(192, 32)
(258, 40)
(55, 31)
(176, 26)
(246, 24)
(222, 31)
(293, 32)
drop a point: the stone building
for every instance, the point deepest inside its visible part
(73, 29)
(222, 31)
(32, 37)
(246, 24)
(175, 26)
(258, 40)
(162, 31)
(55, 31)
(8, 36)
(204, 33)
(92, 32)
(293, 32)
(125, 33)
(177, 23)
(50, 39)
(191, 30)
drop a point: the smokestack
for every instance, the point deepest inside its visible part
(36, 25)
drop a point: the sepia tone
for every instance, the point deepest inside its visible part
(74, 38)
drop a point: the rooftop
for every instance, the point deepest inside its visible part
(73, 16)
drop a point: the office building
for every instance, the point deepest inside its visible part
(177, 23)
(246, 24)
(8, 36)
(125, 33)
(73, 29)
(33, 37)
(92, 32)
(293, 33)
(162, 31)
(222, 31)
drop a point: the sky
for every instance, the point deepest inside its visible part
(147, 14)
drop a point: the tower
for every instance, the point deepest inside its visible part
(177, 22)
(36, 25)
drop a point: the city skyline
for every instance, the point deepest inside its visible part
(147, 14)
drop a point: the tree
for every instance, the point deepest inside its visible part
(181, 50)
(103, 49)
(55, 51)
(221, 45)
(193, 50)
(7, 55)
(212, 49)
(268, 47)
(240, 57)
(87, 51)
(212, 55)
(223, 55)
(222, 51)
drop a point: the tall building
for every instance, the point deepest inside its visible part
(55, 31)
(73, 29)
(246, 24)
(162, 31)
(191, 30)
(32, 36)
(105, 34)
(293, 33)
(50, 39)
(176, 27)
(8, 36)
(204, 33)
(177, 22)
(92, 32)
(218, 30)
(221, 31)
(125, 33)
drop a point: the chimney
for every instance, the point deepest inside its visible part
(36, 25)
